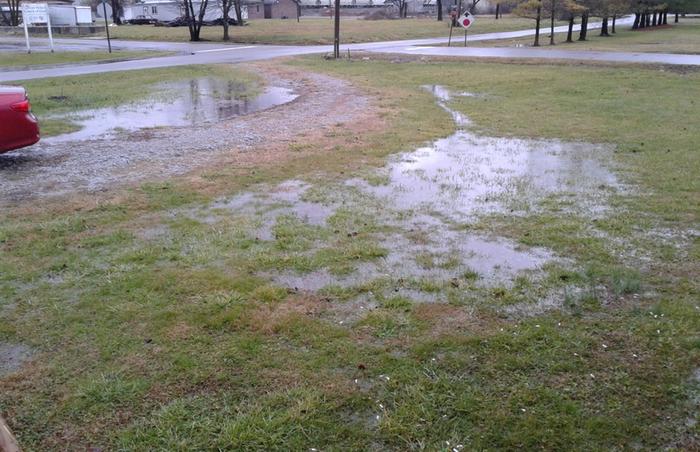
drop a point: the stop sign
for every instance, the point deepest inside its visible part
(466, 20)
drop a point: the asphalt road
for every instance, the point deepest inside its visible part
(208, 53)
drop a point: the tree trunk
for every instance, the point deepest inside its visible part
(116, 11)
(653, 20)
(648, 21)
(676, 18)
(537, 25)
(298, 11)
(439, 10)
(604, 27)
(665, 17)
(239, 12)
(498, 9)
(635, 25)
(613, 23)
(14, 10)
(551, 23)
(225, 11)
(584, 27)
(569, 34)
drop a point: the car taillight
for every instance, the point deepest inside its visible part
(22, 107)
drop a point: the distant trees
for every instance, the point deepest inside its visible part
(648, 13)
(11, 17)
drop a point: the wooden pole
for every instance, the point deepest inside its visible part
(449, 41)
(465, 37)
(336, 39)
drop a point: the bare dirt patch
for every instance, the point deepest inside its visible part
(67, 168)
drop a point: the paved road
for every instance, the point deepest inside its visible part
(208, 53)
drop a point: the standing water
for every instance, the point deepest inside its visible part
(186, 103)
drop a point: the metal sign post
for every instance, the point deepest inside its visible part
(104, 9)
(26, 36)
(48, 23)
(466, 20)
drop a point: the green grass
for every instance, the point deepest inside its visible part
(320, 30)
(16, 61)
(61, 95)
(683, 37)
(170, 343)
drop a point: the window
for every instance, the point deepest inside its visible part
(154, 10)
(257, 8)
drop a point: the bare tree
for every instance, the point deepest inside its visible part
(401, 6)
(194, 21)
(117, 11)
(532, 9)
(225, 6)
(12, 16)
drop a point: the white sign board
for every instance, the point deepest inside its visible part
(36, 13)
(466, 20)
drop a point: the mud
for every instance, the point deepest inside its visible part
(12, 356)
(51, 170)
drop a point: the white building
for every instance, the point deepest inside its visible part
(69, 15)
(167, 10)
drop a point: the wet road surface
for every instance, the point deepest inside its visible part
(209, 53)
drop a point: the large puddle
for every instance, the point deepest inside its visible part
(186, 103)
(425, 201)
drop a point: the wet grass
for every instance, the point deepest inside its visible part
(683, 37)
(18, 61)
(320, 30)
(169, 339)
(58, 95)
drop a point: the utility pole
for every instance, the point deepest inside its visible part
(336, 39)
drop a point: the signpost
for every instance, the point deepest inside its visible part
(36, 13)
(336, 30)
(104, 9)
(465, 21)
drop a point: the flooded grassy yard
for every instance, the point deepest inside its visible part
(504, 265)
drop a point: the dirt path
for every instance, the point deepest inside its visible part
(58, 169)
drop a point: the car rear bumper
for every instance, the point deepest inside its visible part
(30, 135)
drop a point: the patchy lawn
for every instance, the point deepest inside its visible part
(683, 37)
(17, 61)
(249, 310)
(320, 30)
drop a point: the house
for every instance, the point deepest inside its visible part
(272, 9)
(168, 10)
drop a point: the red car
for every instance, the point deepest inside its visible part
(18, 126)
